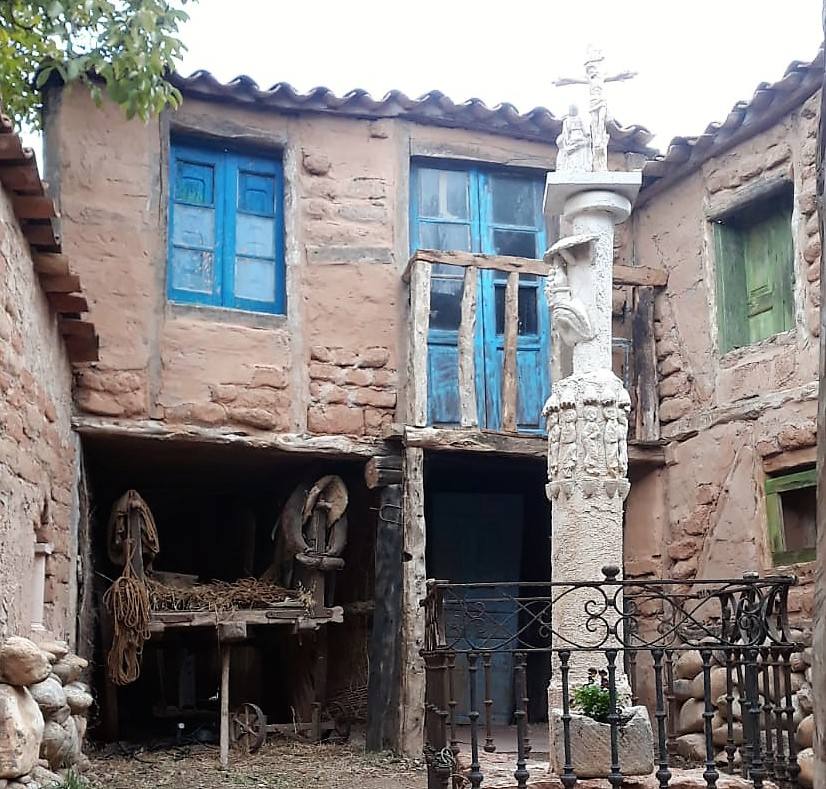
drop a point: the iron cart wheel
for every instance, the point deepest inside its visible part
(248, 728)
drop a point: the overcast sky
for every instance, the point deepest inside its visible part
(695, 59)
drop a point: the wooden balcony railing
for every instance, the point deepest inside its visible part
(636, 322)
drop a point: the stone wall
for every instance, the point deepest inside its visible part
(38, 454)
(729, 418)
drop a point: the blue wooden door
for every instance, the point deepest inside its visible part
(475, 210)
(477, 538)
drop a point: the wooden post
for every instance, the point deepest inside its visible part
(383, 470)
(383, 680)
(417, 361)
(647, 427)
(509, 355)
(224, 739)
(411, 714)
(467, 332)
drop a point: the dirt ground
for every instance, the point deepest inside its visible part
(277, 765)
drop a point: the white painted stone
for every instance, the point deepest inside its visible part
(591, 745)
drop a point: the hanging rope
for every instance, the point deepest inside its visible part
(127, 599)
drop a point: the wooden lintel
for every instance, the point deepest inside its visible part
(293, 443)
(458, 440)
(51, 264)
(277, 615)
(789, 460)
(623, 275)
(63, 283)
(33, 207)
(68, 302)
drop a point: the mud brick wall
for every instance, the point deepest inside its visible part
(352, 393)
(38, 453)
(727, 417)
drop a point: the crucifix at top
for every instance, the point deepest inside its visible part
(584, 148)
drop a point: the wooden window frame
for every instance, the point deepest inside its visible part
(775, 486)
(228, 164)
(730, 268)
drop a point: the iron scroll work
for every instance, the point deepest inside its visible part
(638, 629)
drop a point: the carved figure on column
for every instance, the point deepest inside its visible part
(624, 403)
(567, 439)
(593, 449)
(574, 144)
(551, 413)
(569, 314)
(613, 434)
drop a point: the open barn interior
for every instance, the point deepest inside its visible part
(216, 509)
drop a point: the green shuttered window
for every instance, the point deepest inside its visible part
(754, 259)
(791, 516)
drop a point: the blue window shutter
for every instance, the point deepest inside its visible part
(226, 230)
(195, 226)
(254, 260)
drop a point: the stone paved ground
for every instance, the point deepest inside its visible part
(278, 765)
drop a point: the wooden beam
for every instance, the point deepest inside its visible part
(494, 262)
(466, 349)
(66, 283)
(417, 354)
(383, 470)
(290, 613)
(410, 713)
(509, 387)
(226, 652)
(292, 443)
(647, 427)
(51, 264)
(623, 275)
(531, 446)
(33, 207)
(68, 302)
(789, 460)
(383, 677)
(640, 275)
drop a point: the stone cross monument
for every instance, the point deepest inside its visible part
(587, 412)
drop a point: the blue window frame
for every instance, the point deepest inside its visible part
(226, 229)
(493, 211)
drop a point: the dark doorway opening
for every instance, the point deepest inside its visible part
(488, 520)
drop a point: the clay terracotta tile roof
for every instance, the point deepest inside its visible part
(769, 103)
(39, 221)
(433, 108)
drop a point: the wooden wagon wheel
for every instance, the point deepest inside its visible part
(248, 728)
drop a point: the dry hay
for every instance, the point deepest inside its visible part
(220, 596)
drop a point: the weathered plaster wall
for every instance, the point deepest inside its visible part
(729, 416)
(38, 451)
(332, 363)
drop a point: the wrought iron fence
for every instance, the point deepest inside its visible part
(632, 640)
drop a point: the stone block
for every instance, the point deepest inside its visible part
(49, 696)
(591, 744)
(78, 698)
(358, 377)
(717, 681)
(806, 761)
(806, 732)
(259, 418)
(690, 718)
(688, 665)
(685, 569)
(670, 364)
(373, 357)
(274, 377)
(374, 397)
(22, 662)
(335, 419)
(315, 163)
(70, 668)
(674, 408)
(320, 353)
(683, 549)
(692, 747)
(673, 385)
(21, 727)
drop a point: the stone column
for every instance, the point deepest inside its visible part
(587, 418)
